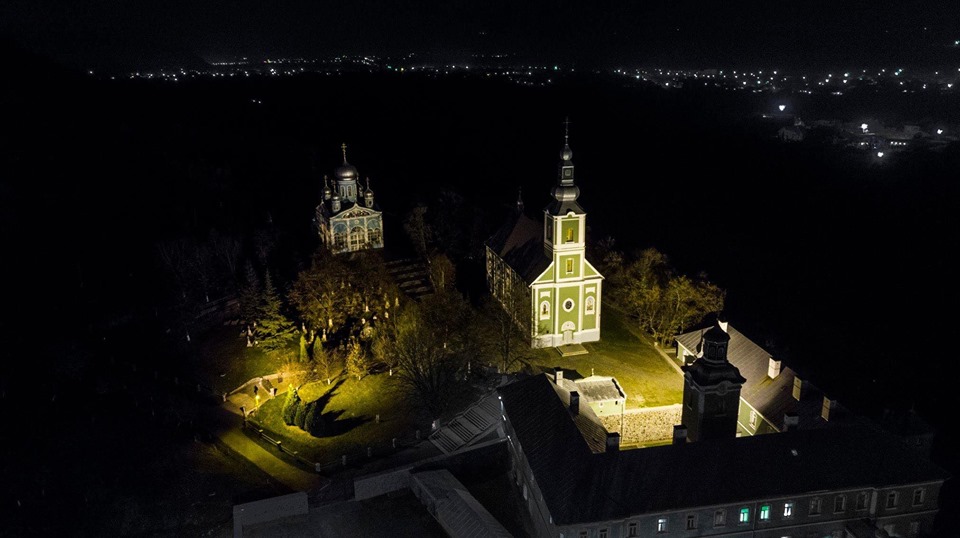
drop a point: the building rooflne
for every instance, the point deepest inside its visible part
(581, 485)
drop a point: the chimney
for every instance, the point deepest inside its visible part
(798, 386)
(613, 442)
(558, 375)
(574, 402)
(773, 368)
(791, 421)
(679, 434)
(829, 408)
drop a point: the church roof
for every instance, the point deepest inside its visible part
(772, 398)
(519, 243)
(345, 206)
(556, 207)
(582, 485)
(594, 388)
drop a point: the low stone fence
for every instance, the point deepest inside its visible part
(644, 425)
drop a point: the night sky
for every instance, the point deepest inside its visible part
(843, 263)
(685, 33)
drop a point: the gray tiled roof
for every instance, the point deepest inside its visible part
(772, 398)
(580, 486)
(519, 243)
(459, 513)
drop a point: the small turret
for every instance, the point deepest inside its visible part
(327, 191)
(368, 195)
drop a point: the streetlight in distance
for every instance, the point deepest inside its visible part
(782, 107)
(880, 154)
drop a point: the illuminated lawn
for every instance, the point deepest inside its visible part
(352, 407)
(226, 362)
(641, 371)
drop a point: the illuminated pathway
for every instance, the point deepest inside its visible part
(227, 428)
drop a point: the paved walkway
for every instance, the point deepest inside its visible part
(226, 423)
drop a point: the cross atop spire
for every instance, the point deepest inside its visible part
(566, 130)
(343, 147)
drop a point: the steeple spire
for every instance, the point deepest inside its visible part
(519, 200)
(343, 148)
(566, 191)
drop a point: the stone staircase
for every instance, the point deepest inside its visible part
(412, 277)
(470, 426)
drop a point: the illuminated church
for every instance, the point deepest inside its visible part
(541, 269)
(348, 220)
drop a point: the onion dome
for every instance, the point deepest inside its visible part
(346, 171)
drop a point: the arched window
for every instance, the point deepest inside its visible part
(358, 236)
(570, 235)
(340, 237)
(545, 310)
(374, 235)
(589, 304)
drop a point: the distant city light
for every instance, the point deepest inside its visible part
(863, 127)
(880, 154)
(939, 131)
(782, 107)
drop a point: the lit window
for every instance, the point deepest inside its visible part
(662, 524)
(753, 418)
(744, 515)
(788, 509)
(765, 512)
(632, 529)
(691, 522)
(569, 238)
(589, 304)
(815, 507)
(892, 499)
(569, 266)
(719, 518)
(839, 503)
(918, 496)
(862, 501)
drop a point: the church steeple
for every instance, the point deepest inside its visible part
(519, 200)
(711, 393)
(565, 192)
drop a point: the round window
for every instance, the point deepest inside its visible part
(568, 305)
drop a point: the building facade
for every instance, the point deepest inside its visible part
(540, 273)
(846, 481)
(347, 219)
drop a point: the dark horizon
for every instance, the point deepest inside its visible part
(797, 36)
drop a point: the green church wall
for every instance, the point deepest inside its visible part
(572, 293)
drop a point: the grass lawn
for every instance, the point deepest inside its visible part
(353, 406)
(642, 372)
(225, 361)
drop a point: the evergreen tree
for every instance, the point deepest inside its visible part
(304, 356)
(315, 423)
(356, 360)
(290, 406)
(300, 416)
(274, 331)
